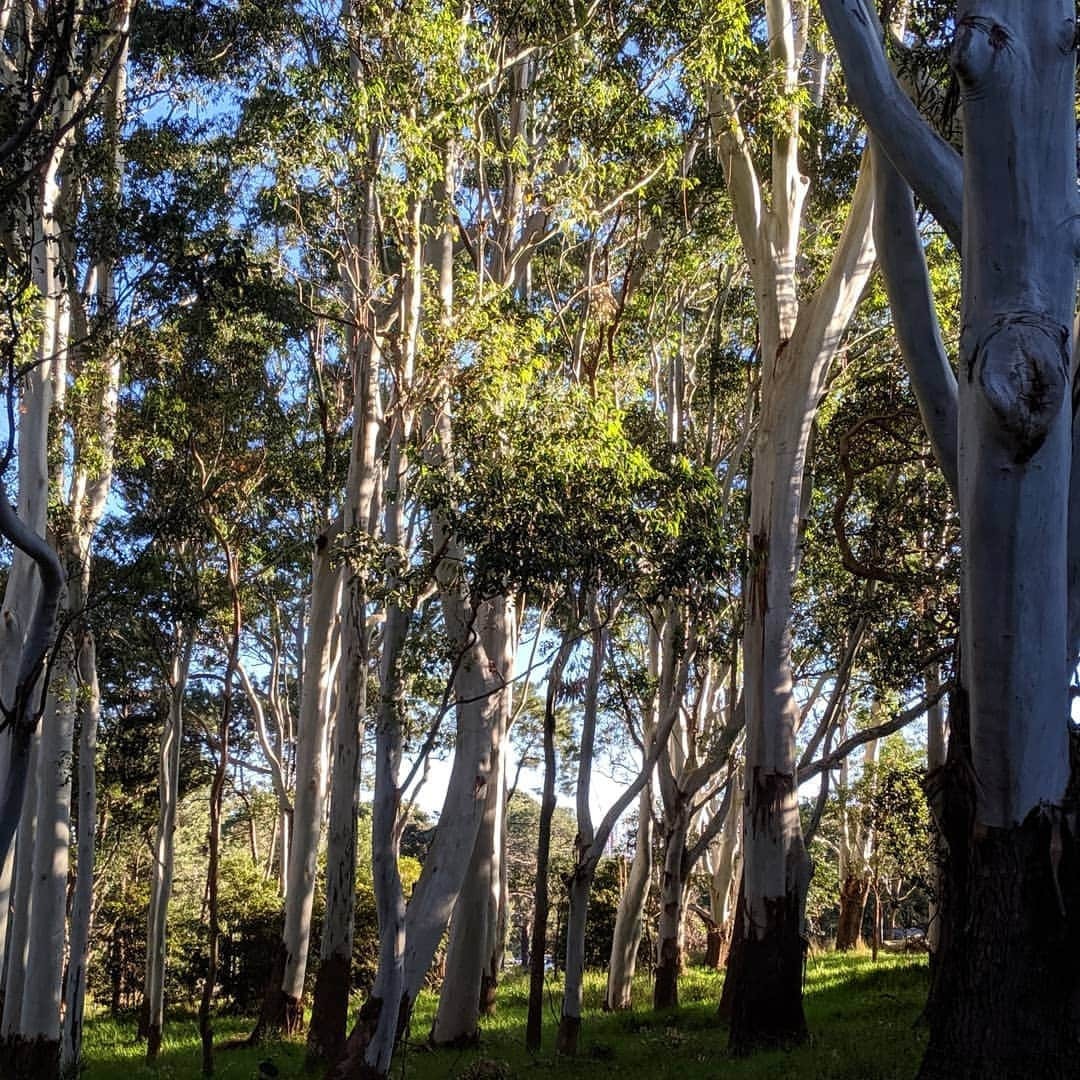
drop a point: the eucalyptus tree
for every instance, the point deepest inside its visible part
(802, 319)
(1004, 431)
(53, 64)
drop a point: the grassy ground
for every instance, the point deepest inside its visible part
(862, 1019)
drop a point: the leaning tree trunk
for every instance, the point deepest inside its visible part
(470, 951)
(631, 911)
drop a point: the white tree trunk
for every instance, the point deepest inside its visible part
(161, 868)
(284, 1010)
(630, 916)
(471, 949)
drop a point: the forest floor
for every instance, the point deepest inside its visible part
(863, 1019)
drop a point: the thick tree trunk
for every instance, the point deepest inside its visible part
(1006, 1003)
(631, 912)
(39, 1024)
(668, 950)
(470, 953)
(854, 890)
(23, 895)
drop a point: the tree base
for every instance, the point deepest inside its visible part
(766, 999)
(1005, 999)
(717, 943)
(666, 986)
(566, 1040)
(329, 1012)
(153, 1042)
(32, 1059)
(488, 986)
(853, 894)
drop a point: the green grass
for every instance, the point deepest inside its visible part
(862, 1019)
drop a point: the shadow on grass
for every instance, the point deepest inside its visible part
(862, 1020)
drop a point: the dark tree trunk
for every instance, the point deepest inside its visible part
(767, 1010)
(666, 987)
(1003, 1006)
(34, 1059)
(534, 1022)
(727, 994)
(279, 1014)
(853, 893)
(717, 946)
(326, 1033)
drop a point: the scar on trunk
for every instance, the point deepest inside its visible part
(1022, 364)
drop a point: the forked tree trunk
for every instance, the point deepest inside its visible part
(798, 343)
(470, 952)
(1003, 999)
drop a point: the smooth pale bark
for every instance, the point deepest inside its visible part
(19, 925)
(911, 300)
(1008, 751)
(590, 842)
(371, 1043)
(282, 1008)
(630, 916)
(483, 671)
(470, 952)
(936, 749)
(89, 491)
(32, 594)
(329, 1012)
(161, 868)
(723, 860)
(798, 343)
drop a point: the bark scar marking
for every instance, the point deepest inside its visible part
(1022, 363)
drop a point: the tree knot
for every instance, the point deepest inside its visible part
(1022, 364)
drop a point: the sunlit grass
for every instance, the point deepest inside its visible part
(862, 1018)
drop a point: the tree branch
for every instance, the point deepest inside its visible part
(928, 163)
(911, 300)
